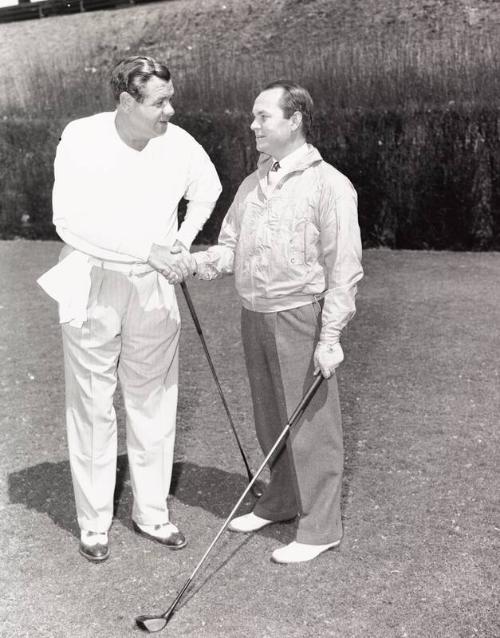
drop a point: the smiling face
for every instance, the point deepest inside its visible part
(149, 118)
(274, 133)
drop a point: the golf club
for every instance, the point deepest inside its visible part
(256, 491)
(152, 623)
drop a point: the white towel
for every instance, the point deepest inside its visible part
(68, 282)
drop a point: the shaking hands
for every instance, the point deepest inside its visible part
(175, 262)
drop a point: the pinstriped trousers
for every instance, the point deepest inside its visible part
(306, 474)
(131, 335)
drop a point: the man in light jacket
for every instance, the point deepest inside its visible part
(119, 177)
(292, 239)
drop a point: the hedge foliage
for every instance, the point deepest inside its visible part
(426, 179)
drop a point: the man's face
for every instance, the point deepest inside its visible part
(150, 117)
(273, 132)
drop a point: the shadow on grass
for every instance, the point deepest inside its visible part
(47, 488)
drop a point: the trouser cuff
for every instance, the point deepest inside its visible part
(318, 539)
(274, 516)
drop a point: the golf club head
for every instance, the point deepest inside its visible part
(151, 624)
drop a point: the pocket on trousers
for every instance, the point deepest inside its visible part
(96, 279)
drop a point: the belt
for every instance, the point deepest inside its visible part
(119, 266)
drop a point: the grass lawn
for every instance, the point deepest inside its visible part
(420, 391)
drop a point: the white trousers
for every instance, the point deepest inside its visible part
(131, 334)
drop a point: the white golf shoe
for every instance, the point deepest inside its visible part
(248, 523)
(296, 552)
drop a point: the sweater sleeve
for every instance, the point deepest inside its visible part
(203, 190)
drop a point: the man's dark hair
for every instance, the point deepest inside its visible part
(295, 98)
(132, 74)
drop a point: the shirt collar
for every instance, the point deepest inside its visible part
(289, 160)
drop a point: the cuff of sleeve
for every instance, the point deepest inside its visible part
(329, 338)
(181, 244)
(186, 237)
(201, 257)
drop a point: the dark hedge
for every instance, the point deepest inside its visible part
(425, 180)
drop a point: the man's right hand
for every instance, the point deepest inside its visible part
(175, 267)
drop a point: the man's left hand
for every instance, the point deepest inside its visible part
(327, 357)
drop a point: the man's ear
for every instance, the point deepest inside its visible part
(296, 121)
(126, 101)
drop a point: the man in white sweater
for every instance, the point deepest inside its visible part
(119, 177)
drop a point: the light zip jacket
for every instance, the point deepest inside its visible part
(298, 243)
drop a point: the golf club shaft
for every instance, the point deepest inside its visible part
(197, 324)
(293, 419)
